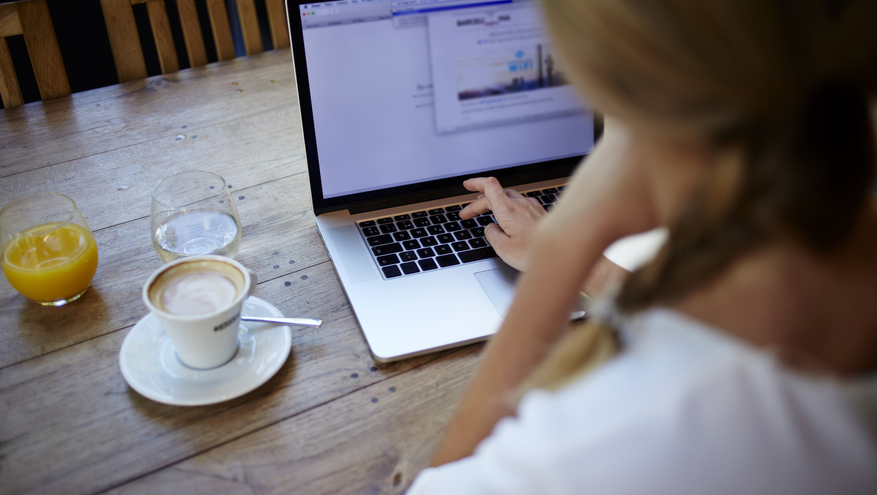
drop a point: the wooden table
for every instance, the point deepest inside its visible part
(331, 421)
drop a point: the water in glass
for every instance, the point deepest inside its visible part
(196, 232)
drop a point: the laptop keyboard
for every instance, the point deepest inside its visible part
(426, 240)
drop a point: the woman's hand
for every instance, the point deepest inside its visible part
(610, 196)
(516, 217)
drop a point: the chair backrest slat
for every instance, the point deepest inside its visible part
(10, 92)
(124, 42)
(221, 29)
(249, 26)
(164, 39)
(192, 32)
(31, 19)
(277, 21)
(9, 25)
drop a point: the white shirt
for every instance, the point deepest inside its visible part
(686, 409)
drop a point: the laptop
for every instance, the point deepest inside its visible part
(400, 102)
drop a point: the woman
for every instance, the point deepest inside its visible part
(749, 344)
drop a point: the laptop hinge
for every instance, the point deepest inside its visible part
(407, 199)
(451, 191)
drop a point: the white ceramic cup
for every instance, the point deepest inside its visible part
(210, 339)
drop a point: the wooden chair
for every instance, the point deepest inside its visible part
(31, 18)
(125, 41)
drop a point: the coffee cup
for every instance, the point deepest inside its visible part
(198, 302)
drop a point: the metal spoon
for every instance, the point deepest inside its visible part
(304, 322)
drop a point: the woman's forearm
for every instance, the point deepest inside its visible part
(538, 317)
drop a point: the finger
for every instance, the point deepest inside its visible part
(476, 183)
(512, 193)
(488, 186)
(475, 208)
(495, 236)
(491, 193)
(495, 194)
(536, 203)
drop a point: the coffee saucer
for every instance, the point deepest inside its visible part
(150, 364)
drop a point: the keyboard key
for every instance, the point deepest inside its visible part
(408, 256)
(477, 254)
(422, 222)
(447, 260)
(462, 235)
(533, 194)
(428, 241)
(379, 240)
(390, 259)
(409, 268)
(399, 218)
(388, 228)
(443, 249)
(392, 271)
(419, 233)
(409, 245)
(548, 198)
(435, 229)
(469, 224)
(436, 211)
(370, 231)
(427, 264)
(453, 208)
(465, 205)
(452, 226)
(425, 253)
(405, 225)
(388, 249)
(401, 236)
(548, 207)
(367, 223)
(485, 220)
(382, 221)
(478, 232)
(419, 214)
(550, 190)
(445, 238)
(460, 246)
(437, 219)
(478, 242)
(453, 216)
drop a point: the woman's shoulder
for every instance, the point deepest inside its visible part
(685, 408)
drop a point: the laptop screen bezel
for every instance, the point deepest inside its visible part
(405, 194)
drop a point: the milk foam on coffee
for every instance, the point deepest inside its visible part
(198, 293)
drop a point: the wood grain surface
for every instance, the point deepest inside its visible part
(331, 421)
(221, 28)
(42, 46)
(124, 40)
(164, 40)
(192, 33)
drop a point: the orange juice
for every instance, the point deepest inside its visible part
(51, 266)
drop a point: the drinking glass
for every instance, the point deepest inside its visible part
(193, 214)
(49, 254)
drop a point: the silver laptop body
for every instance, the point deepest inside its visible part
(402, 100)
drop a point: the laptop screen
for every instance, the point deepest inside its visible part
(405, 92)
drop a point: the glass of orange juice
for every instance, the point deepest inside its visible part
(48, 252)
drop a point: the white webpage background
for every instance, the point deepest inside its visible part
(375, 129)
(452, 45)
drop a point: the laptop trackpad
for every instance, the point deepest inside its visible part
(499, 284)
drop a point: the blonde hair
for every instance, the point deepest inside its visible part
(783, 84)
